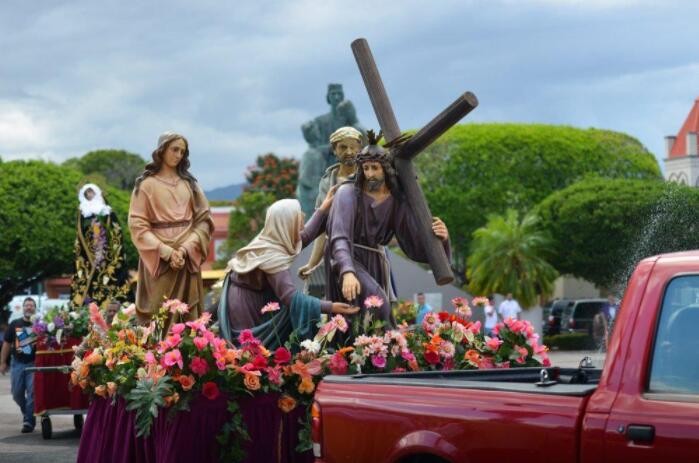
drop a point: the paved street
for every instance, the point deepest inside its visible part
(32, 448)
(63, 447)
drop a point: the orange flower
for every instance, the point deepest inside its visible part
(84, 370)
(286, 403)
(101, 390)
(111, 388)
(172, 399)
(345, 350)
(306, 386)
(73, 378)
(251, 381)
(300, 368)
(187, 382)
(94, 359)
(82, 383)
(473, 357)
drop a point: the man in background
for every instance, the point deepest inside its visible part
(423, 308)
(509, 308)
(20, 339)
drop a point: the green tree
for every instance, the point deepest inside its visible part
(274, 175)
(38, 218)
(246, 220)
(119, 168)
(601, 228)
(509, 256)
(476, 170)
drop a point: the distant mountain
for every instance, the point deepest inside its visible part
(225, 193)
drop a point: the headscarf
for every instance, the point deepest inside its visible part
(95, 206)
(276, 246)
(346, 132)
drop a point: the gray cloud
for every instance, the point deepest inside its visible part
(239, 78)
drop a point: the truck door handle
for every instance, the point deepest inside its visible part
(640, 433)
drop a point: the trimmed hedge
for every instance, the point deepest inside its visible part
(475, 170)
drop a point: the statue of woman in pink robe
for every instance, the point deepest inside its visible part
(171, 226)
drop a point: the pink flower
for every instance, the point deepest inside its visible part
(130, 310)
(379, 361)
(463, 310)
(493, 344)
(373, 302)
(175, 306)
(177, 328)
(173, 357)
(546, 361)
(274, 374)
(523, 353)
(340, 323)
(459, 302)
(399, 370)
(271, 307)
(475, 327)
(430, 322)
(486, 363)
(446, 349)
(338, 365)
(210, 390)
(150, 358)
(173, 341)
(502, 365)
(480, 301)
(245, 337)
(96, 317)
(199, 366)
(200, 342)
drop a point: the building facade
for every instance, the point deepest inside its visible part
(682, 161)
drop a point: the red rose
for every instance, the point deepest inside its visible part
(443, 316)
(432, 357)
(282, 355)
(210, 390)
(260, 362)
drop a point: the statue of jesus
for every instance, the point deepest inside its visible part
(365, 216)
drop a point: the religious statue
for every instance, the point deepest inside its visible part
(101, 273)
(365, 216)
(346, 143)
(171, 227)
(258, 291)
(318, 157)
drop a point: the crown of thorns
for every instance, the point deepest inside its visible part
(373, 152)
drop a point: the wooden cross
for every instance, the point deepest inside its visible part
(436, 256)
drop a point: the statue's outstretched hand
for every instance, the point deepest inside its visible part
(305, 271)
(350, 286)
(440, 229)
(328, 201)
(344, 309)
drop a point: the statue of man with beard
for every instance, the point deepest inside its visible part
(365, 217)
(346, 143)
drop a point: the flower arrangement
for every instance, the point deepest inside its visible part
(60, 324)
(405, 312)
(153, 369)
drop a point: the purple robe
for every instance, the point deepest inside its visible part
(249, 292)
(355, 219)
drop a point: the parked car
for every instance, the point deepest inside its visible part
(577, 317)
(552, 316)
(642, 407)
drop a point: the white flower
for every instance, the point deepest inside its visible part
(311, 346)
(74, 315)
(50, 327)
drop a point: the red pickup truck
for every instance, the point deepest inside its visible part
(642, 407)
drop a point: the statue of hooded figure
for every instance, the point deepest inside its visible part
(101, 273)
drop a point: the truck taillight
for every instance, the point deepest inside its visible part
(316, 431)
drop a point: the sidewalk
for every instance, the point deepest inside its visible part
(16, 447)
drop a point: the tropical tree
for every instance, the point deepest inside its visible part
(601, 228)
(37, 222)
(119, 168)
(476, 170)
(274, 175)
(509, 256)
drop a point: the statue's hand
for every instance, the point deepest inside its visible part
(305, 271)
(177, 259)
(328, 201)
(440, 229)
(344, 309)
(350, 286)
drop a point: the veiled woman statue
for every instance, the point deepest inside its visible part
(171, 227)
(259, 278)
(100, 267)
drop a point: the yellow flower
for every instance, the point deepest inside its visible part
(306, 385)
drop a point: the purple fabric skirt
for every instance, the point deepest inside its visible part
(109, 434)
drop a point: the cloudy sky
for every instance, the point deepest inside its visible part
(239, 78)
